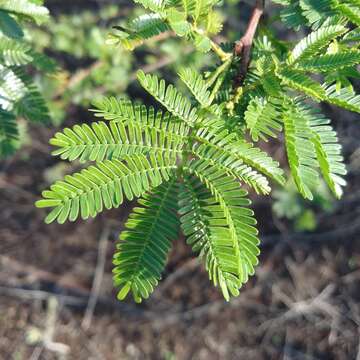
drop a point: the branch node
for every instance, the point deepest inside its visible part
(243, 46)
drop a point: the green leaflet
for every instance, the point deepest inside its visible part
(140, 29)
(145, 243)
(292, 15)
(204, 224)
(117, 140)
(20, 97)
(125, 111)
(12, 87)
(197, 85)
(156, 6)
(230, 145)
(306, 124)
(32, 105)
(300, 150)
(351, 36)
(349, 9)
(9, 26)
(8, 133)
(194, 19)
(14, 53)
(330, 62)
(315, 10)
(262, 118)
(169, 97)
(328, 151)
(221, 161)
(105, 186)
(178, 22)
(231, 201)
(315, 41)
(191, 160)
(214, 23)
(297, 80)
(344, 98)
(27, 8)
(201, 42)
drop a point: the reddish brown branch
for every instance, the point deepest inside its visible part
(243, 46)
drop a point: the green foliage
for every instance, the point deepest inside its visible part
(210, 216)
(144, 149)
(262, 118)
(343, 97)
(141, 254)
(315, 42)
(195, 20)
(168, 96)
(88, 69)
(297, 80)
(8, 132)
(19, 96)
(86, 193)
(330, 62)
(315, 13)
(197, 86)
(28, 9)
(192, 158)
(300, 150)
(100, 141)
(142, 28)
(14, 53)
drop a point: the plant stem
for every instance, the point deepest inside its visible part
(223, 67)
(219, 79)
(243, 46)
(224, 56)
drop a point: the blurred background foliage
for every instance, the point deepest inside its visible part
(19, 64)
(90, 68)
